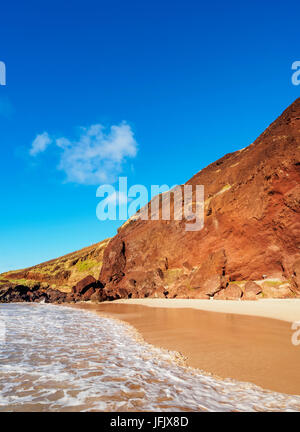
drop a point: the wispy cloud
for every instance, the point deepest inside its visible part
(97, 156)
(40, 144)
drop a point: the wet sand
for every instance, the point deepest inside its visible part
(246, 348)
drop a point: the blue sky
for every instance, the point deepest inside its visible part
(173, 84)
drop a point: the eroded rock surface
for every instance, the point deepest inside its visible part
(251, 230)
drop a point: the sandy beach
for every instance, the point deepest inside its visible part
(280, 309)
(246, 341)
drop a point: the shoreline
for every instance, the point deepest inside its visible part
(279, 309)
(245, 348)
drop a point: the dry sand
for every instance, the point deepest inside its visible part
(220, 337)
(281, 309)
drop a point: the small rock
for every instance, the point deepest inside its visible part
(232, 292)
(251, 291)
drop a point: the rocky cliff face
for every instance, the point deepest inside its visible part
(249, 246)
(251, 230)
(68, 278)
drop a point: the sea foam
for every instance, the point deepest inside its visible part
(55, 358)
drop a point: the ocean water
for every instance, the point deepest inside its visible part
(55, 358)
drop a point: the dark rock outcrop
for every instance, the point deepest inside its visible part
(20, 293)
(87, 288)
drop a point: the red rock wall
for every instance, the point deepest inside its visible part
(251, 229)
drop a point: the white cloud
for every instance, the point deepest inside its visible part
(40, 144)
(97, 156)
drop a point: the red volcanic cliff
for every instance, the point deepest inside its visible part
(248, 248)
(250, 243)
